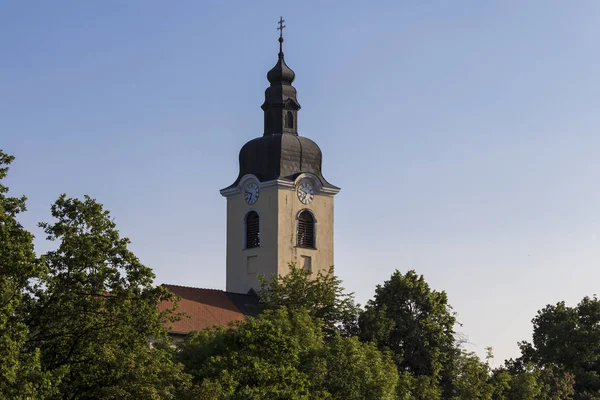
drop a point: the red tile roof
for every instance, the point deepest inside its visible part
(208, 307)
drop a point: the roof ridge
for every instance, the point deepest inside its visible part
(191, 287)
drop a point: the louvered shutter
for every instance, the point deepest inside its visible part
(306, 230)
(252, 230)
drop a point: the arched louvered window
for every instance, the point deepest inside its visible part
(252, 230)
(289, 120)
(306, 230)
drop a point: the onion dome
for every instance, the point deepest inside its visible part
(281, 73)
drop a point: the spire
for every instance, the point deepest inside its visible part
(281, 26)
(281, 72)
(280, 106)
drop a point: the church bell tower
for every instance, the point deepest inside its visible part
(280, 207)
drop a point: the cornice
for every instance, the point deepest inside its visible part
(279, 184)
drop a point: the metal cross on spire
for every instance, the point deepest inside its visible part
(280, 29)
(281, 26)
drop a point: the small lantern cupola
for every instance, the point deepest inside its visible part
(281, 106)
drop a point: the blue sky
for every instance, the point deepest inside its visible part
(464, 135)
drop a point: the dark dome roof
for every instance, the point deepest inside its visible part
(281, 156)
(281, 72)
(280, 153)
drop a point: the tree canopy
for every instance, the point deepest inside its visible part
(568, 338)
(95, 311)
(282, 355)
(20, 369)
(82, 322)
(415, 322)
(321, 294)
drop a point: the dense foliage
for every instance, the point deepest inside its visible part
(414, 325)
(20, 370)
(322, 295)
(82, 322)
(95, 311)
(568, 338)
(414, 322)
(282, 355)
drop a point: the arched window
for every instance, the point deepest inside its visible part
(306, 230)
(289, 120)
(252, 230)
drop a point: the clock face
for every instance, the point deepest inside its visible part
(251, 193)
(306, 192)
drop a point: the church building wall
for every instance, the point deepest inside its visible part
(278, 209)
(245, 265)
(320, 258)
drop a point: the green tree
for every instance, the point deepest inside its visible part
(567, 339)
(358, 370)
(413, 321)
(556, 384)
(96, 312)
(470, 377)
(418, 388)
(282, 355)
(472, 380)
(268, 357)
(20, 370)
(518, 381)
(321, 293)
(525, 385)
(501, 381)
